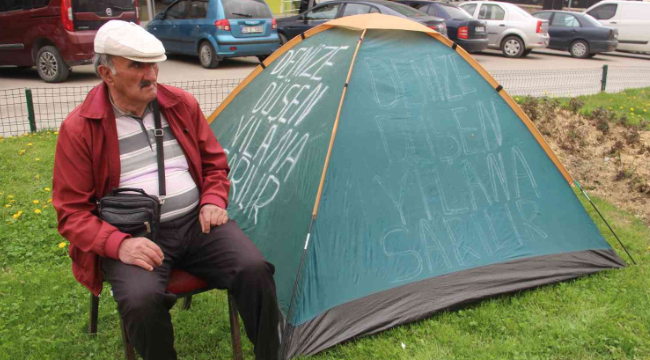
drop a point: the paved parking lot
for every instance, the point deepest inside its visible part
(184, 68)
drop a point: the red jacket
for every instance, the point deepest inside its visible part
(87, 167)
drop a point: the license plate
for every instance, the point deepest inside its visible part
(479, 29)
(252, 29)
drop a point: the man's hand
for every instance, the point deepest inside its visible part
(212, 215)
(140, 252)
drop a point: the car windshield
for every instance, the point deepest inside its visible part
(591, 20)
(522, 12)
(404, 9)
(456, 13)
(246, 9)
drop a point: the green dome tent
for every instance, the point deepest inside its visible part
(388, 176)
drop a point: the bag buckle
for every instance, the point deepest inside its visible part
(158, 132)
(161, 200)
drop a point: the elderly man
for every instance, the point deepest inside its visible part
(107, 143)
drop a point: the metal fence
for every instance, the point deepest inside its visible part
(48, 107)
(52, 105)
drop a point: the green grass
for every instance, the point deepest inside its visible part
(632, 105)
(44, 311)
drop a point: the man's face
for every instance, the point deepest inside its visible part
(134, 80)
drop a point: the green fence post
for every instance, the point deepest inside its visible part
(30, 110)
(603, 81)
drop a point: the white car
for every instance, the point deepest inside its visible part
(631, 18)
(510, 28)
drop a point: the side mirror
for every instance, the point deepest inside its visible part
(160, 16)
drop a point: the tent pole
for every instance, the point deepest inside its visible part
(336, 125)
(320, 191)
(606, 223)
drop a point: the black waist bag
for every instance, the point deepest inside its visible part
(133, 211)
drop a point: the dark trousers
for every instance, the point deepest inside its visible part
(226, 258)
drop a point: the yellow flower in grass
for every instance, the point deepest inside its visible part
(30, 144)
(49, 200)
(17, 215)
(62, 245)
(12, 201)
(44, 206)
(0, 192)
(37, 159)
(37, 176)
(35, 201)
(632, 109)
(37, 211)
(49, 132)
(7, 205)
(56, 133)
(21, 152)
(621, 108)
(47, 189)
(10, 196)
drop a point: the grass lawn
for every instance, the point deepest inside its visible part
(631, 107)
(44, 311)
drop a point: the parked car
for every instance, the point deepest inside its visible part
(462, 28)
(295, 25)
(580, 34)
(55, 35)
(630, 18)
(217, 29)
(510, 28)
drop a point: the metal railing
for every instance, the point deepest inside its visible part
(25, 110)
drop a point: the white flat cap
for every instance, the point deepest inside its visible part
(128, 40)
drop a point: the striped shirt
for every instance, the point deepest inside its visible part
(140, 166)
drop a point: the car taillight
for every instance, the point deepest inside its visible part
(539, 27)
(137, 12)
(66, 15)
(274, 24)
(463, 32)
(222, 24)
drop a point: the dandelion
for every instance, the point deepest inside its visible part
(12, 201)
(35, 201)
(47, 189)
(44, 206)
(62, 245)
(10, 196)
(17, 215)
(21, 152)
(49, 132)
(7, 205)
(621, 108)
(37, 176)
(0, 192)
(37, 159)
(517, 99)
(56, 133)
(30, 144)
(610, 108)
(37, 211)
(49, 200)
(632, 109)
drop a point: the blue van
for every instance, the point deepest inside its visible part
(217, 29)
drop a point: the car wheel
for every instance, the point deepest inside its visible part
(513, 47)
(283, 39)
(207, 56)
(527, 52)
(579, 49)
(50, 65)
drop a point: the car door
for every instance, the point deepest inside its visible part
(190, 27)
(14, 22)
(494, 15)
(168, 28)
(565, 28)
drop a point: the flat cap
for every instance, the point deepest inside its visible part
(128, 40)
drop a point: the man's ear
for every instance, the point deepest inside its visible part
(106, 74)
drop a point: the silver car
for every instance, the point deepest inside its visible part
(510, 28)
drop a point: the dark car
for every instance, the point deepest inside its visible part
(580, 34)
(55, 35)
(462, 28)
(296, 25)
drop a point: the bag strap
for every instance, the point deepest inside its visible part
(158, 134)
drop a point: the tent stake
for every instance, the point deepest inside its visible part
(602, 217)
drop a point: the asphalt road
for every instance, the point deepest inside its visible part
(184, 68)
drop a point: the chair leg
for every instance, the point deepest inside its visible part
(187, 303)
(129, 352)
(94, 310)
(234, 329)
